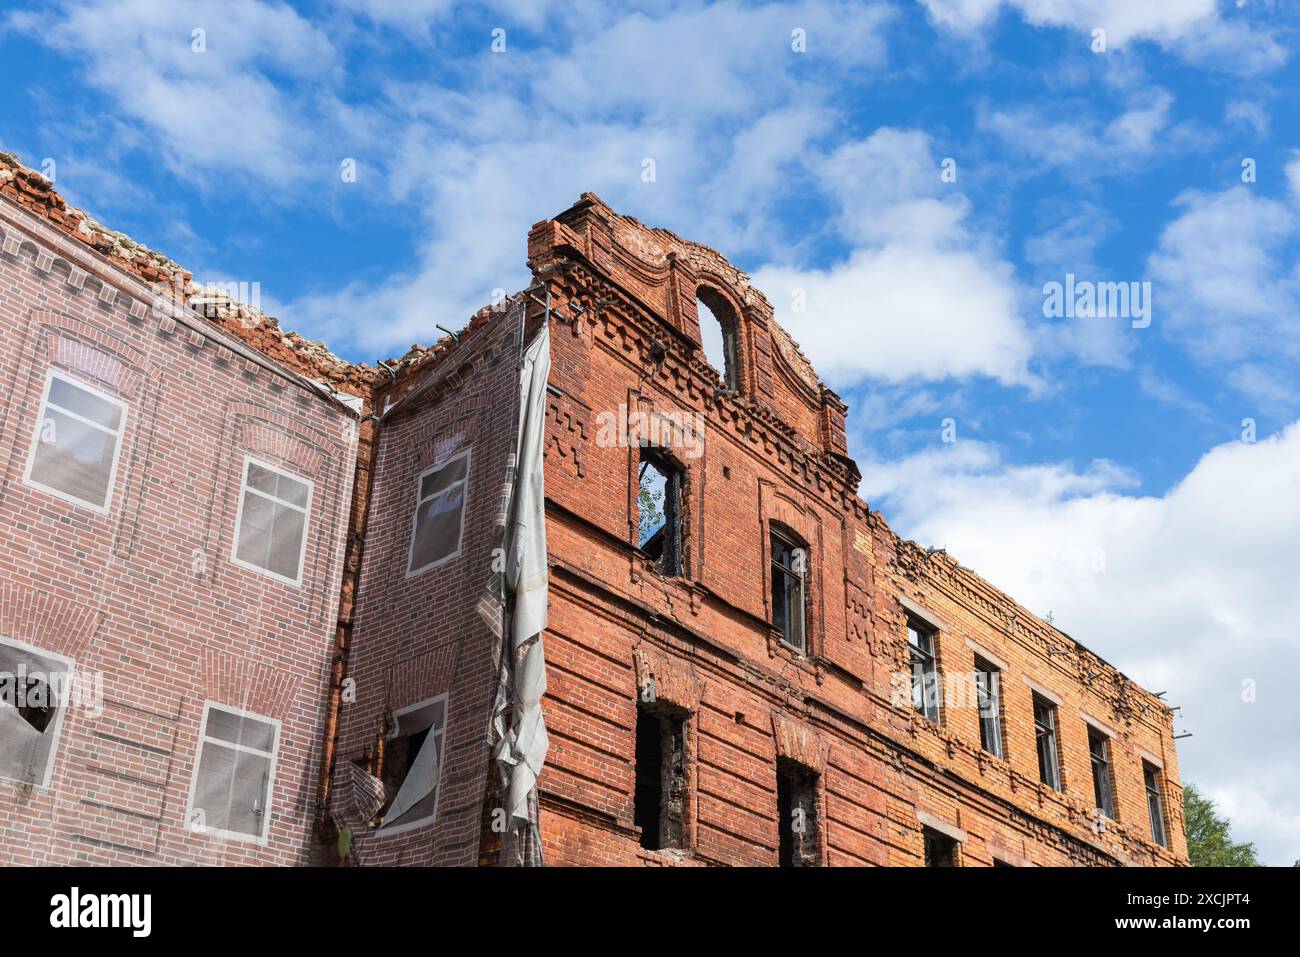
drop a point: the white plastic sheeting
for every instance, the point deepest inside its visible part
(523, 746)
(420, 780)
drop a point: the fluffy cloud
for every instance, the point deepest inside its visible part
(1191, 591)
(212, 111)
(922, 295)
(1227, 288)
(1196, 29)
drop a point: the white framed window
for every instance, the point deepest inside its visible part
(35, 688)
(234, 770)
(413, 765)
(439, 520)
(77, 442)
(271, 525)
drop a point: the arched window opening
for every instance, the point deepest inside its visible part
(720, 338)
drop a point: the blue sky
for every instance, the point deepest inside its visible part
(1100, 472)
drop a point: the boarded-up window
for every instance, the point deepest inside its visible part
(271, 528)
(439, 517)
(34, 689)
(413, 764)
(231, 791)
(77, 442)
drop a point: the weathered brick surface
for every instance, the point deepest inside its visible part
(775, 453)
(145, 596)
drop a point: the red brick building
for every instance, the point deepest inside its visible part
(744, 665)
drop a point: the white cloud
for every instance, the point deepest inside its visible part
(1195, 29)
(1226, 288)
(1196, 592)
(216, 111)
(922, 295)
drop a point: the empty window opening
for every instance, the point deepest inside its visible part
(797, 813)
(439, 520)
(34, 690)
(940, 849)
(412, 764)
(658, 501)
(1155, 803)
(231, 791)
(720, 343)
(988, 696)
(789, 573)
(1049, 768)
(271, 527)
(78, 438)
(925, 669)
(998, 862)
(659, 801)
(1099, 749)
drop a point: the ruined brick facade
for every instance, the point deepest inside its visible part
(672, 661)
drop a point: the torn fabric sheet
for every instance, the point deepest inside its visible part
(523, 746)
(420, 780)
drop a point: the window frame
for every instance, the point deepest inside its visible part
(244, 488)
(274, 755)
(1153, 779)
(788, 537)
(923, 629)
(55, 373)
(657, 458)
(983, 665)
(1106, 789)
(415, 512)
(381, 831)
(1053, 712)
(71, 666)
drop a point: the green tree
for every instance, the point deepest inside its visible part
(1209, 843)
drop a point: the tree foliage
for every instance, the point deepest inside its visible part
(1209, 838)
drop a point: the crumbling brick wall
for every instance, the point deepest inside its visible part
(626, 341)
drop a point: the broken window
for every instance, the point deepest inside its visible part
(230, 795)
(988, 696)
(721, 343)
(439, 519)
(34, 688)
(658, 501)
(789, 570)
(659, 800)
(797, 814)
(78, 438)
(1099, 749)
(940, 849)
(1049, 768)
(413, 763)
(1155, 803)
(925, 670)
(271, 527)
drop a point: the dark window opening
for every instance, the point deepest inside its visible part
(411, 766)
(789, 570)
(721, 343)
(659, 800)
(925, 670)
(1045, 732)
(658, 500)
(798, 819)
(1099, 749)
(1155, 803)
(1001, 863)
(988, 695)
(940, 849)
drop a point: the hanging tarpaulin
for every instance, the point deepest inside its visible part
(523, 746)
(420, 780)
